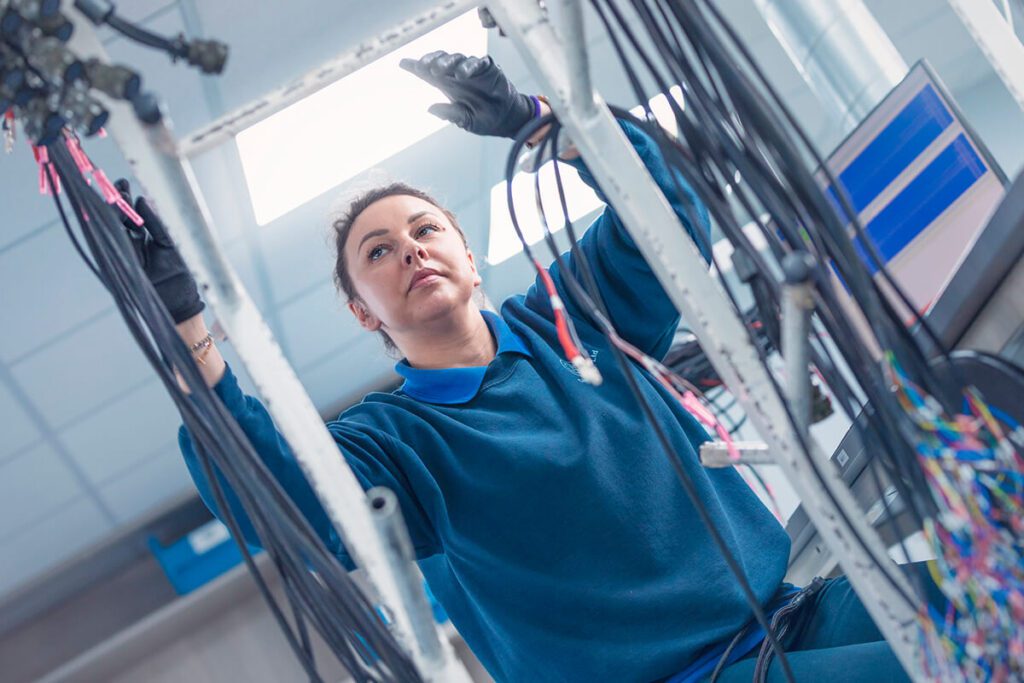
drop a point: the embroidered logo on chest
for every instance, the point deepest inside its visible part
(569, 366)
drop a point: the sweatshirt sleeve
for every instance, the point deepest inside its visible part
(364, 448)
(638, 306)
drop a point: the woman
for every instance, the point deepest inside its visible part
(543, 511)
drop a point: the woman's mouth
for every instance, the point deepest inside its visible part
(424, 277)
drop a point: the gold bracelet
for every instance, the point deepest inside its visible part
(202, 347)
(202, 343)
(201, 358)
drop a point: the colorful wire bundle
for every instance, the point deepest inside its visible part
(973, 463)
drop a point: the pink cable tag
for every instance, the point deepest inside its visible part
(80, 157)
(692, 404)
(128, 211)
(106, 188)
(42, 157)
(112, 196)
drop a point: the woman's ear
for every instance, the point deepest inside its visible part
(366, 319)
(477, 280)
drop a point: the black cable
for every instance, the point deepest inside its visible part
(771, 243)
(695, 181)
(590, 301)
(883, 563)
(175, 48)
(320, 591)
(699, 180)
(76, 198)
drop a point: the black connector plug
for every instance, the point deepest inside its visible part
(115, 80)
(208, 55)
(147, 108)
(96, 11)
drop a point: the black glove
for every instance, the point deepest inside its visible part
(483, 101)
(160, 259)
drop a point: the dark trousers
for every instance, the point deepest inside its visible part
(836, 642)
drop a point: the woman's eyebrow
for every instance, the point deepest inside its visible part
(373, 233)
(418, 215)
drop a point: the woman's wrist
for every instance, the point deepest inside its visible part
(193, 329)
(211, 364)
(543, 110)
(569, 152)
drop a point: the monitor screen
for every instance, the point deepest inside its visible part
(921, 182)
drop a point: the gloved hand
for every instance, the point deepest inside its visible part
(160, 259)
(483, 101)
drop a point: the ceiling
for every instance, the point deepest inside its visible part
(89, 441)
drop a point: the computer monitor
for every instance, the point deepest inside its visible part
(921, 182)
(924, 187)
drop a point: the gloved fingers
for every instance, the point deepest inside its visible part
(125, 189)
(446, 64)
(421, 66)
(136, 233)
(470, 67)
(153, 224)
(456, 113)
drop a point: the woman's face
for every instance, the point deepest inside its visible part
(409, 266)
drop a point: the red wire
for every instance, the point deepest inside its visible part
(558, 308)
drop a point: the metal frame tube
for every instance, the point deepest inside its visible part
(387, 517)
(331, 71)
(997, 40)
(683, 274)
(797, 304)
(572, 30)
(168, 180)
(840, 50)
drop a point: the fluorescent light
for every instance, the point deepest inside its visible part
(349, 126)
(503, 243)
(662, 110)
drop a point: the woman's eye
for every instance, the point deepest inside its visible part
(376, 252)
(426, 228)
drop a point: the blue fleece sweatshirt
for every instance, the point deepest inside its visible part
(545, 515)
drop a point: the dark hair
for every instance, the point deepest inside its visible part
(342, 226)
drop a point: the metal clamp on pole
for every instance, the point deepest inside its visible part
(797, 304)
(399, 554)
(718, 454)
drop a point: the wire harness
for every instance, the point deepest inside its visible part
(954, 460)
(318, 590)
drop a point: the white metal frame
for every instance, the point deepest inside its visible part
(683, 274)
(997, 40)
(231, 124)
(559, 64)
(168, 179)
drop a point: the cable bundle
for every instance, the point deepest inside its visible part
(320, 592)
(49, 87)
(925, 430)
(973, 462)
(588, 298)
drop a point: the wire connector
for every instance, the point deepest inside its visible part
(588, 371)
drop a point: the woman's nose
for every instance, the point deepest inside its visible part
(418, 251)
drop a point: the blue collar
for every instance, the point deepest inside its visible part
(458, 385)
